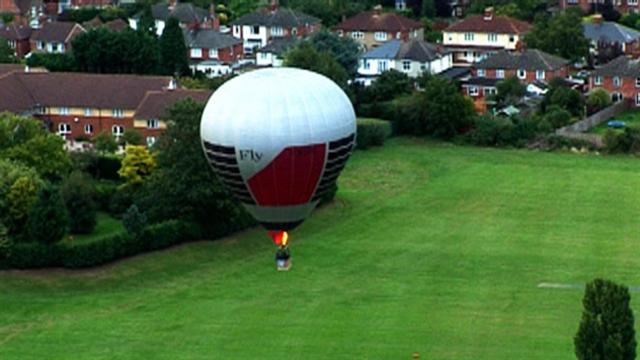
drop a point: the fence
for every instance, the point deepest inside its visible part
(595, 119)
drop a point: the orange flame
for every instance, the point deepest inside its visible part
(285, 238)
(280, 238)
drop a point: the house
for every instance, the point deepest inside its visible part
(21, 10)
(55, 37)
(150, 116)
(530, 66)
(17, 36)
(76, 105)
(273, 54)
(609, 32)
(478, 36)
(622, 6)
(259, 28)
(620, 78)
(189, 16)
(413, 57)
(373, 28)
(212, 52)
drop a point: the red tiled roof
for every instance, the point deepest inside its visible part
(6, 69)
(378, 21)
(14, 32)
(77, 90)
(497, 24)
(57, 31)
(155, 103)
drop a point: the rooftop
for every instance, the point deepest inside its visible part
(623, 66)
(155, 103)
(209, 39)
(283, 17)
(491, 24)
(417, 50)
(54, 31)
(529, 59)
(376, 20)
(609, 32)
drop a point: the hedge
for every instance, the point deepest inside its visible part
(372, 132)
(103, 250)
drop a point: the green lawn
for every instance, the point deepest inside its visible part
(429, 248)
(106, 225)
(631, 118)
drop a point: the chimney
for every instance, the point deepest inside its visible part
(273, 6)
(597, 19)
(172, 4)
(377, 10)
(488, 13)
(215, 20)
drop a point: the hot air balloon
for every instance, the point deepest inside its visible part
(278, 139)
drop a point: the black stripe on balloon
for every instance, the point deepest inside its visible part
(336, 154)
(332, 173)
(338, 161)
(281, 226)
(227, 168)
(226, 150)
(340, 148)
(340, 142)
(229, 177)
(222, 160)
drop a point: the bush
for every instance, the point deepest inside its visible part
(107, 167)
(104, 191)
(78, 193)
(598, 99)
(133, 220)
(492, 131)
(626, 142)
(380, 110)
(48, 219)
(121, 200)
(372, 132)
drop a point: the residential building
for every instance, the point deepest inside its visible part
(273, 54)
(212, 52)
(76, 105)
(55, 37)
(413, 57)
(150, 116)
(609, 32)
(373, 28)
(259, 28)
(17, 36)
(478, 36)
(620, 78)
(529, 66)
(622, 6)
(189, 16)
(22, 10)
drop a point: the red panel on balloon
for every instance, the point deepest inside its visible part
(291, 178)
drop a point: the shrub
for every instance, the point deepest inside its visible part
(372, 132)
(133, 220)
(107, 167)
(557, 116)
(121, 200)
(381, 110)
(31, 255)
(104, 191)
(626, 142)
(598, 99)
(492, 131)
(78, 194)
(48, 218)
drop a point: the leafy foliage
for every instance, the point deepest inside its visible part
(132, 137)
(134, 220)
(343, 49)
(564, 97)
(137, 165)
(551, 34)
(389, 85)
(372, 132)
(18, 180)
(305, 56)
(7, 55)
(48, 219)
(509, 91)
(173, 51)
(597, 100)
(626, 142)
(105, 143)
(53, 62)
(78, 193)
(606, 330)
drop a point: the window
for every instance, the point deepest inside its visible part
(366, 64)
(382, 65)
(357, 35)
(398, 35)
(615, 97)
(255, 30)
(88, 111)
(151, 140)
(196, 53)
(423, 66)
(597, 80)
(64, 111)
(481, 73)
(236, 31)
(117, 130)
(153, 124)
(638, 82)
(512, 38)
(88, 129)
(468, 36)
(64, 128)
(632, 2)
(473, 91)
(118, 113)
(500, 74)
(40, 45)
(53, 47)
(264, 56)
(617, 81)
(638, 99)
(406, 65)
(493, 37)
(213, 53)
(294, 31)
(490, 91)
(277, 31)
(522, 74)
(340, 33)
(380, 36)
(540, 74)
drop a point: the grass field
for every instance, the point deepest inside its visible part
(429, 248)
(631, 118)
(105, 225)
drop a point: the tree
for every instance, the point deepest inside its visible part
(16, 194)
(606, 330)
(138, 164)
(183, 185)
(343, 49)
(7, 55)
(133, 220)
(26, 141)
(389, 85)
(48, 219)
(132, 137)
(509, 91)
(105, 143)
(428, 8)
(557, 116)
(606, 10)
(173, 51)
(566, 98)
(78, 193)
(305, 56)
(52, 62)
(242, 7)
(147, 23)
(597, 100)
(550, 35)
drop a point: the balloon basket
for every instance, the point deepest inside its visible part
(283, 264)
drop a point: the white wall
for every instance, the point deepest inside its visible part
(480, 39)
(435, 67)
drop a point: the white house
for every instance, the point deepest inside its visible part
(413, 58)
(273, 54)
(188, 15)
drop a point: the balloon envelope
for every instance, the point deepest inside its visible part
(278, 139)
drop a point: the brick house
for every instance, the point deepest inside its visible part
(620, 78)
(610, 32)
(150, 116)
(55, 37)
(189, 16)
(210, 44)
(529, 66)
(18, 38)
(478, 36)
(273, 54)
(22, 10)
(373, 28)
(622, 6)
(76, 104)
(259, 28)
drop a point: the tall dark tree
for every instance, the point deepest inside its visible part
(344, 49)
(78, 194)
(606, 330)
(48, 219)
(173, 51)
(6, 52)
(305, 56)
(606, 9)
(551, 34)
(428, 8)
